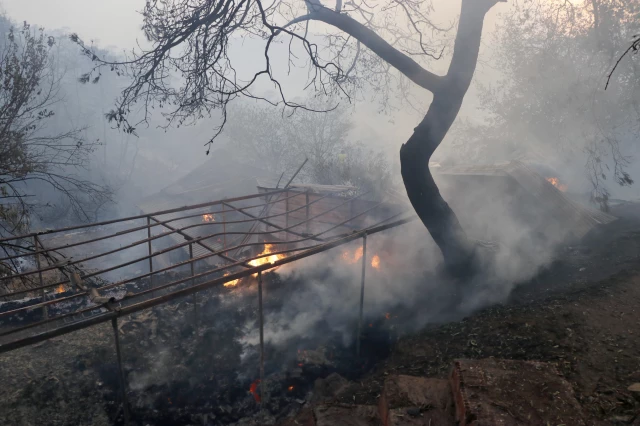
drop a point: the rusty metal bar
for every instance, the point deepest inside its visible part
(306, 195)
(261, 321)
(224, 226)
(123, 383)
(45, 310)
(126, 310)
(150, 251)
(193, 282)
(286, 218)
(364, 268)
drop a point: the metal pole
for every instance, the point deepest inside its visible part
(261, 320)
(149, 245)
(308, 224)
(193, 282)
(286, 217)
(45, 310)
(123, 390)
(224, 226)
(364, 264)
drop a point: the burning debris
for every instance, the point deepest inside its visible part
(268, 248)
(208, 218)
(231, 283)
(352, 257)
(556, 182)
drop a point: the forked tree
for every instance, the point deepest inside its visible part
(188, 73)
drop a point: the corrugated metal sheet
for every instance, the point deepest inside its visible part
(269, 183)
(579, 218)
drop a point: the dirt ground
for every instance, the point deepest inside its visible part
(582, 314)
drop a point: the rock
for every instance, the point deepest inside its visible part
(634, 387)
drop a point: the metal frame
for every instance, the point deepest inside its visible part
(101, 307)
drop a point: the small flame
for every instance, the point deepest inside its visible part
(208, 217)
(375, 261)
(231, 283)
(254, 390)
(352, 257)
(556, 182)
(268, 248)
(387, 315)
(59, 289)
(290, 388)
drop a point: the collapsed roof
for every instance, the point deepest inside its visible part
(537, 200)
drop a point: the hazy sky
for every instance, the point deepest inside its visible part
(115, 22)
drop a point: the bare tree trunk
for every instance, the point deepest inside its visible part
(433, 210)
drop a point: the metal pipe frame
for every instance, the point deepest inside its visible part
(119, 283)
(12, 339)
(108, 315)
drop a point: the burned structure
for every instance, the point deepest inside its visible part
(515, 189)
(106, 272)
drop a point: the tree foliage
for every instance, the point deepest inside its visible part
(280, 142)
(553, 58)
(32, 155)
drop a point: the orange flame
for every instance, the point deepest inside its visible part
(268, 248)
(352, 257)
(556, 182)
(231, 283)
(375, 261)
(208, 217)
(59, 289)
(387, 316)
(290, 388)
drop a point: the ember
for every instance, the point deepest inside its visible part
(387, 315)
(290, 388)
(59, 289)
(253, 389)
(556, 182)
(208, 218)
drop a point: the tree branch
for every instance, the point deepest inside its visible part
(402, 62)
